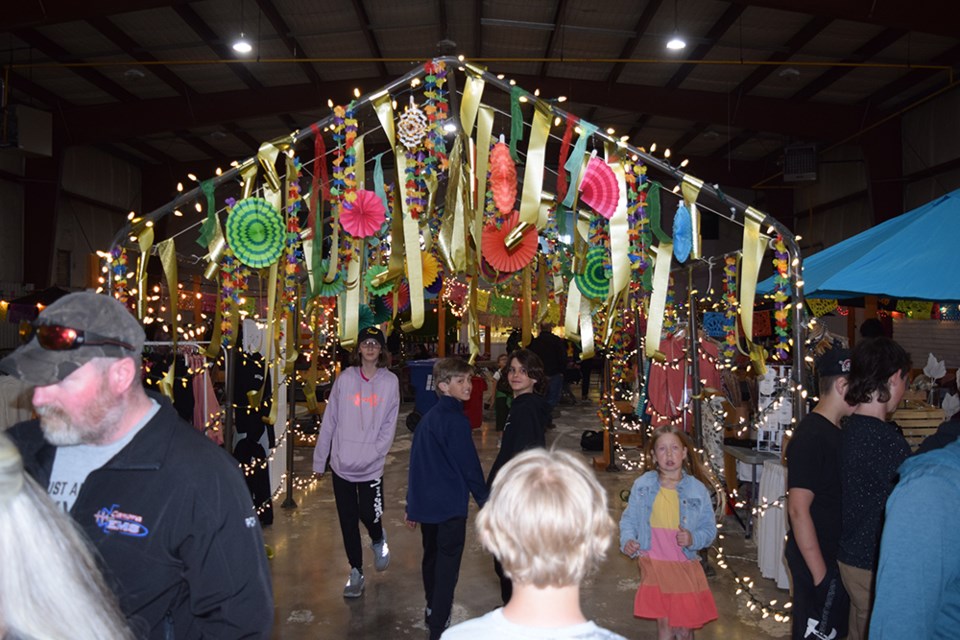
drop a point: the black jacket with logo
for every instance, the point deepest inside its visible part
(173, 521)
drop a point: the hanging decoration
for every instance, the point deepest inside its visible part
(412, 126)
(820, 307)
(371, 278)
(915, 309)
(781, 309)
(233, 283)
(364, 216)
(594, 282)
(599, 188)
(682, 233)
(435, 107)
(495, 249)
(489, 273)
(730, 310)
(255, 232)
(381, 311)
(333, 287)
(431, 269)
(117, 272)
(366, 317)
(713, 322)
(503, 178)
(399, 299)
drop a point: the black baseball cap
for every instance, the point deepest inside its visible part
(372, 333)
(834, 362)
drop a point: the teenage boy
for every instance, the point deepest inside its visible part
(444, 471)
(820, 603)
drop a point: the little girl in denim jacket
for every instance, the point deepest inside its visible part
(668, 518)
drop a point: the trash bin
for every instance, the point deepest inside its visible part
(474, 406)
(421, 379)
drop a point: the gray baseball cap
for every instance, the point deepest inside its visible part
(103, 320)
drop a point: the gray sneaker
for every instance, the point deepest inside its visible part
(381, 553)
(354, 586)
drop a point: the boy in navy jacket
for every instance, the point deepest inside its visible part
(444, 471)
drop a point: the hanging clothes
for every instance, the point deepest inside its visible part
(669, 385)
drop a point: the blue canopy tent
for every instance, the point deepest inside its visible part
(911, 256)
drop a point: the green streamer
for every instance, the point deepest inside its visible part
(378, 187)
(516, 121)
(209, 226)
(575, 161)
(653, 204)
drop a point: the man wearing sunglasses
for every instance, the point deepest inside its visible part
(166, 509)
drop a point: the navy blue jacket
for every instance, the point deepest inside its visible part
(174, 522)
(444, 467)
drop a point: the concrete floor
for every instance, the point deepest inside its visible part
(310, 568)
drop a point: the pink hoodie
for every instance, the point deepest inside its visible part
(358, 425)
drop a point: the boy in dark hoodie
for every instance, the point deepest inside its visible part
(444, 471)
(525, 427)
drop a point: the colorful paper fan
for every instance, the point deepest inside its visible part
(495, 249)
(682, 233)
(373, 272)
(599, 187)
(403, 295)
(503, 178)
(364, 216)
(433, 290)
(255, 232)
(431, 268)
(366, 318)
(330, 289)
(594, 282)
(381, 312)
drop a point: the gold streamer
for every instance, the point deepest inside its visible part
(533, 171)
(526, 302)
(587, 338)
(470, 102)
(351, 299)
(473, 324)
(542, 288)
(754, 244)
(248, 178)
(267, 157)
(658, 300)
(571, 320)
(452, 231)
(213, 349)
(168, 259)
(215, 251)
(619, 229)
(690, 187)
(484, 135)
(145, 240)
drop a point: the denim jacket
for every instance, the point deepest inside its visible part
(696, 512)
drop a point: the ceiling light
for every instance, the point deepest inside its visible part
(676, 43)
(449, 127)
(242, 45)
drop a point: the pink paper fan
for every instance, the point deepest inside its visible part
(599, 187)
(403, 297)
(503, 178)
(365, 216)
(495, 249)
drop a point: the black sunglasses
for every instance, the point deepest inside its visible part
(55, 337)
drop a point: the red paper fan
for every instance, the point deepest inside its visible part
(599, 187)
(365, 216)
(503, 178)
(495, 248)
(403, 297)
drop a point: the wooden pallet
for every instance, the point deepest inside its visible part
(918, 420)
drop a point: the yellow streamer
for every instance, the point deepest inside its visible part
(145, 240)
(754, 244)
(213, 349)
(472, 91)
(533, 171)
(526, 302)
(658, 299)
(168, 259)
(484, 134)
(690, 187)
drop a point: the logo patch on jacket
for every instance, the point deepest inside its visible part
(112, 520)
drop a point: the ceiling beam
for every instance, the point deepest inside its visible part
(927, 16)
(286, 34)
(149, 151)
(700, 52)
(52, 50)
(639, 31)
(201, 145)
(20, 15)
(369, 36)
(810, 120)
(907, 81)
(557, 27)
(237, 132)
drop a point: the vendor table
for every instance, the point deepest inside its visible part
(754, 459)
(772, 524)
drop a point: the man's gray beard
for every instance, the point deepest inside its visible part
(60, 432)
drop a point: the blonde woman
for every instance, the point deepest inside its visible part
(50, 585)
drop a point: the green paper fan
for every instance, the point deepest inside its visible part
(366, 318)
(594, 281)
(255, 232)
(329, 289)
(373, 272)
(381, 312)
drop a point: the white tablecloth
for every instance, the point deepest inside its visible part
(771, 526)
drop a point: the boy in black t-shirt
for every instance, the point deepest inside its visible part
(820, 603)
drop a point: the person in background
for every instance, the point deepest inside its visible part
(552, 350)
(872, 451)
(167, 510)
(50, 585)
(548, 524)
(918, 551)
(357, 431)
(668, 519)
(525, 426)
(444, 471)
(820, 603)
(502, 394)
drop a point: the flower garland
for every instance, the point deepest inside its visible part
(781, 262)
(345, 156)
(435, 106)
(730, 313)
(292, 243)
(670, 308)
(233, 282)
(118, 273)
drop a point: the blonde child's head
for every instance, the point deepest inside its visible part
(546, 519)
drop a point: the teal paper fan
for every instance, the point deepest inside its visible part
(594, 282)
